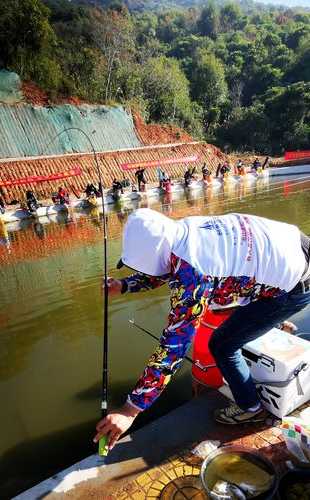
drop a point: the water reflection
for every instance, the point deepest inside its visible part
(51, 323)
(39, 230)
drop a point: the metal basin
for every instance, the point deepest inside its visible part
(216, 457)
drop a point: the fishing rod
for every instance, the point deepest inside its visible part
(103, 448)
(203, 368)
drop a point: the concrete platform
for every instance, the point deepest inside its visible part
(149, 463)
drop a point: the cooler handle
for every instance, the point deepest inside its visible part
(295, 374)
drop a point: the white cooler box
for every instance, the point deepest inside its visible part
(281, 363)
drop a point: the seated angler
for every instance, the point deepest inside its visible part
(240, 167)
(91, 190)
(160, 174)
(218, 170)
(117, 186)
(205, 172)
(31, 200)
(165, 176)
(2, 205)
(225, 169)
(188, 176)
(256, 164)
(167, 184)
(63, 196)
(125, 182)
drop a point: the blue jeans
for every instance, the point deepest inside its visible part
(246, 324)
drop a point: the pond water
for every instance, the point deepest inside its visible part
(51, 326)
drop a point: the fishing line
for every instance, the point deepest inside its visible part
(248, 195)
(301, 191)
(190, 360)
(280, 183)
(104, 389)
(230, 200)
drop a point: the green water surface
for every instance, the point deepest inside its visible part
(51, 328)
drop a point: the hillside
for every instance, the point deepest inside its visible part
(237, 77)
(142, 5)
(288, 3)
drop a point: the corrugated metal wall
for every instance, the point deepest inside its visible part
(27, 130)
(109, 164)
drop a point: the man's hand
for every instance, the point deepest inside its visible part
(115, 424)
(114, 287)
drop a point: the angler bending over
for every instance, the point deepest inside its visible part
(257, 264)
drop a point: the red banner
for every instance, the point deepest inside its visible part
(296, 155)
(33, 179)
(159, 163)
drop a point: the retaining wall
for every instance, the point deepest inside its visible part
(110, 165)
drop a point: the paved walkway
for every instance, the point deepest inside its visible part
(162, 460)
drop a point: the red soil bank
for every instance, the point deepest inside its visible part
(38, 97)
(158, 134)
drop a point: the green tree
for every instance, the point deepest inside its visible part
(262, 78)
(185, 48)
(293, 33)
(166, 89)
(246, 130)
(231, 18)
(288, 111)
(209, 21)
(145, 26)
(113, 36)
(82, 64)
(171, 24)
(240, 69)
(208, 85)
(300, 68)
(27, 41)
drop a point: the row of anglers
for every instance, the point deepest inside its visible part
(223, 169)
(31, 202)
(62, 197)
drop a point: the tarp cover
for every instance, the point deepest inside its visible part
(10, 87)
(27, 130)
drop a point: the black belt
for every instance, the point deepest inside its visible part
(302, 287)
